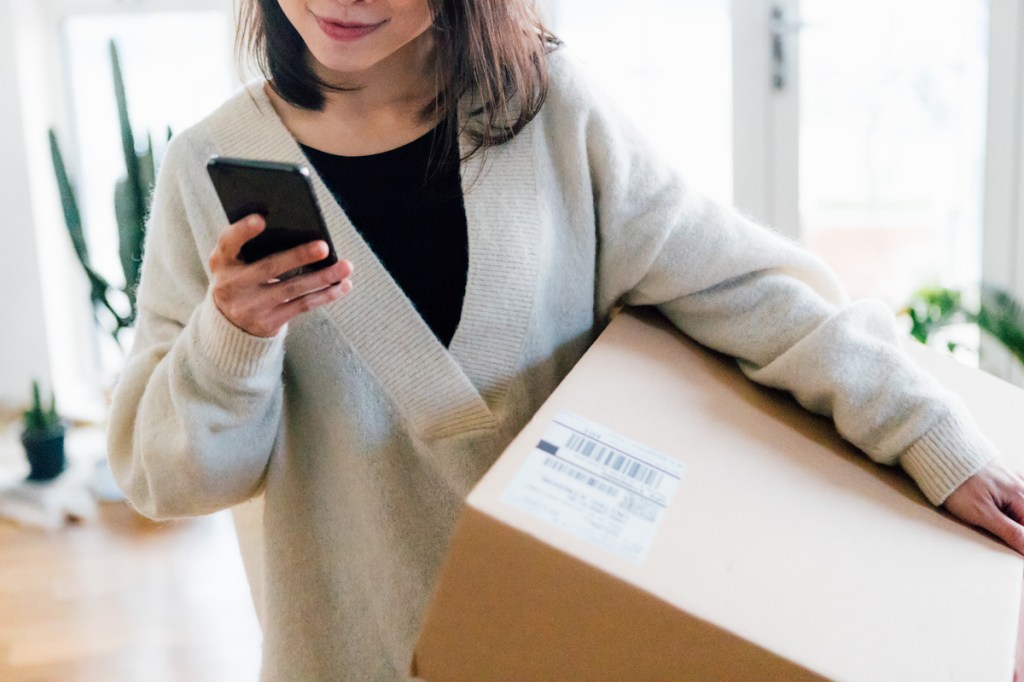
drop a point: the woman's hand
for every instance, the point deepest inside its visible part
(250, 294)
(992, 499)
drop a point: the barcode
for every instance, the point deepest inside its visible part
(580, 476)
(615, 460)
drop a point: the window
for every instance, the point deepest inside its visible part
(166, 86)
(667, 63)
(178, 65)
(892, 141)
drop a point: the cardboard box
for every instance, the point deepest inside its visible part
(756, 546)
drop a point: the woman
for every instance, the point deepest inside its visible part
(496, 210)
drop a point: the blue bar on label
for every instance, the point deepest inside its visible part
(547, 447)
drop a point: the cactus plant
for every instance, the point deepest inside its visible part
(43, 438)
(39, 419)
(131, 203)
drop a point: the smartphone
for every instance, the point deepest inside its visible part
(280, 192)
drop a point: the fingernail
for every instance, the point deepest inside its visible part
(253, 221)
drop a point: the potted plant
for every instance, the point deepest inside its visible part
(996, 312)
(43, 438)
(114, 306)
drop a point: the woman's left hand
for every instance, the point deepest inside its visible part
(992, 499)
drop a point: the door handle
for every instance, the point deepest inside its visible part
(778, 49)
(780, 29)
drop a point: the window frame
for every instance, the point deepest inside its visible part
(1003, 245)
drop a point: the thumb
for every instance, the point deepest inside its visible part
(1004, 522)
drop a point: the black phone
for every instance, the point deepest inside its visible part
(280, 192)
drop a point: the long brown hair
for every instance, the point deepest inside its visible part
(490, 53)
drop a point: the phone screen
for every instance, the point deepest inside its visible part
(282, 194)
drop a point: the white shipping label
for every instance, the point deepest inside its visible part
(597, 485)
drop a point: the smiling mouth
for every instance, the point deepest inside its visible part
(347, 30)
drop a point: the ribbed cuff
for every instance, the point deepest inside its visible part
(232, 350)
(951, 451)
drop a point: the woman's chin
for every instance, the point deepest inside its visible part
(340, 71)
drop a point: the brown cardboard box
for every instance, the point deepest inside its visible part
(756, 546)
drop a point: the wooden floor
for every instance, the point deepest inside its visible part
(121, 598)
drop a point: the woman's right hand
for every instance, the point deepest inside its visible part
(252, 297)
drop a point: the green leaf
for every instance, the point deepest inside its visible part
(1002, 316)
(130, 232)
(999, 315)
(131, 159)
(918, 329)
(98, 285)
(36, 418)
(147, 171)
(72, 217)
(132, 194)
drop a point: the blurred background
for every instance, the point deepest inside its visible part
(884, 136)
(887, 137)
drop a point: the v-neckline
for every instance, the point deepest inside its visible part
(443, 392)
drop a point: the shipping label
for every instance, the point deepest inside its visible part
(597, 485)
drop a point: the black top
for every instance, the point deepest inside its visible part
(407, 204)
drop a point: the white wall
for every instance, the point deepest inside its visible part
(23, 340)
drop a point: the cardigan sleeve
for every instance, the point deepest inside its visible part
(197, 407)
(744, 290)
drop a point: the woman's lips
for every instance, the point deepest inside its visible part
(337, 30)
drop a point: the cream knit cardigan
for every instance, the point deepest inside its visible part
(364, 433)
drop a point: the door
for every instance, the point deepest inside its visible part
(892, 141)
(857, 128)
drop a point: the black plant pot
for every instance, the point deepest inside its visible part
(45, 453)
